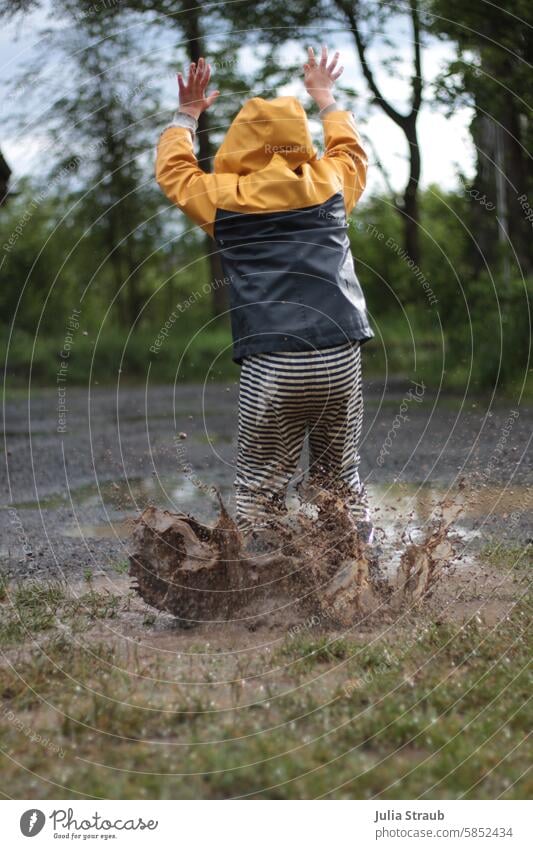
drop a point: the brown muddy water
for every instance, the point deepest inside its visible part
(401, 511)
(426, 554)
(430, 552)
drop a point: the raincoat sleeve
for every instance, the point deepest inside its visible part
(346, 155)
(182, 180)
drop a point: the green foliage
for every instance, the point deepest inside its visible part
(491, 72)
(92, 232)
(34, 252)
(52, 264)
(479, 328)
(492, 35)
(117, 355)
(493, 342)
(390, 283)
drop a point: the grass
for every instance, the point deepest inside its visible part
(115, 356)
(407, 349)
(432, 709)
(518, 557)
(32, 608)
(121, 567)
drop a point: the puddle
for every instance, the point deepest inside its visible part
(120, 529)
(421, 529)
(397, 508)
(421, 499)
(171, 492)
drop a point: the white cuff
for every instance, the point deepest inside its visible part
(332, 107)
(181, 119)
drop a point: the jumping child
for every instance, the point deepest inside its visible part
(279, 217)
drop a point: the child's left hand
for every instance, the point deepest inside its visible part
(193, 99)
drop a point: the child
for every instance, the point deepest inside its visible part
(278, 215)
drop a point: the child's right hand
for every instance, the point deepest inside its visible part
(320, 78)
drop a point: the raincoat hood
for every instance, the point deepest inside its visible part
(264, 129)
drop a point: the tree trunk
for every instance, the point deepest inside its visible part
(410, 209)
(483, 218)
(195, 48)
(5, 174)
(516, 172)
(502, 176)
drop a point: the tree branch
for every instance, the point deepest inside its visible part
(417, 76)
(350, 12)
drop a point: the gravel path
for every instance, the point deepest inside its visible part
(71, 478)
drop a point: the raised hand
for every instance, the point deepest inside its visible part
(319, 78)
(193, 98)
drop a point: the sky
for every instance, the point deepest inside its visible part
(445, 141)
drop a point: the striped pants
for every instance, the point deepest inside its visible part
(283, 397)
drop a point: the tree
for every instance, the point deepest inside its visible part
(355, 13)
(101, 114)
(492, 73)
(189, 19)
(5, 174)
(102, 131)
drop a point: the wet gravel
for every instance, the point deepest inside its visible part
(69, 482)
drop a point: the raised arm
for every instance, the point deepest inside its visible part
(342, 141)
(177, 170)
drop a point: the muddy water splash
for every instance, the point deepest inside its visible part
(423, 563)
(300, 565)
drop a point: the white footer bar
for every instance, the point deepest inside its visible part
(266, 824)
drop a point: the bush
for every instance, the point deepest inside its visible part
(114, 356)
(496, 349)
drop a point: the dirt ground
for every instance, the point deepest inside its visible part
(106, 697)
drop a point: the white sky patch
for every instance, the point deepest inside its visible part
(446, 148)
(24, 157)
